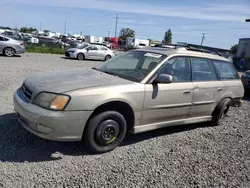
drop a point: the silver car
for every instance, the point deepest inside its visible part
(90, 52)
(10, 47)
(137, 91)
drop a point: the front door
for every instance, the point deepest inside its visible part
(166, 102)
(92, 52)
(207, 88)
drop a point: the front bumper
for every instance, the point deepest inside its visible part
(51, 125)
(70, 54)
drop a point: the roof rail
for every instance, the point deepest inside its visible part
(190, 48)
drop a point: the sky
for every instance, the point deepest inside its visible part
(222, 21)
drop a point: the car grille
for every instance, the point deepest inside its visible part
(67, 54)
(26, 92)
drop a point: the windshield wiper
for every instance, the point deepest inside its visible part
(111, 73)
(107, 72)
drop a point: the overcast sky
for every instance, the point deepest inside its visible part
(223, 21)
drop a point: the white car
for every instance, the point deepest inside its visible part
(90, 52)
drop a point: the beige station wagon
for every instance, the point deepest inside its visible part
(137, 91)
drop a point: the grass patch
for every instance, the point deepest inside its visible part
(45, 50)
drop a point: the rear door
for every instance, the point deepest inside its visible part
(2, 43)
(207, 88)
(232, 84)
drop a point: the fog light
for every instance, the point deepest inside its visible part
(43, 129)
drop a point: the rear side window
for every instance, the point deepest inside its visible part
(3, 39)
(225, 70)
(202, 70)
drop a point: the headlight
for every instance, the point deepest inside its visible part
(246, 75)
(52, 101)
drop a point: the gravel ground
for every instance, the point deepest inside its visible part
(185, 156)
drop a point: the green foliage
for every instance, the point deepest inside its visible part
(234, 48)
(126, 32)
(27, 30)
(168, 37)
(47, 50)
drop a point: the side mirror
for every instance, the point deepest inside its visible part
(164, 79)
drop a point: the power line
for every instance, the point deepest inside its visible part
(116, 22)
(203, 37)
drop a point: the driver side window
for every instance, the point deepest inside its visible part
(178, 68)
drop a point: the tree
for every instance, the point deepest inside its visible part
(234, 48)
(168, 37)
(27, 30)
(126, 32)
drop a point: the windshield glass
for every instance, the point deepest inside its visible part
(132, 65)
(83, 46)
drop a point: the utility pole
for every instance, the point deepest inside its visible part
(65, 27)
(116, 22)
(40, 26)
(203, 37)
(108, 33)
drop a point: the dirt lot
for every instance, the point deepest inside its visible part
(184, 156)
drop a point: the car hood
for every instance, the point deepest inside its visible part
(72, 49)
(63, 81)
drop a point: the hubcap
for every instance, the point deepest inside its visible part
(108, 57)
(9, 52)
(107, 132)
(80, 56)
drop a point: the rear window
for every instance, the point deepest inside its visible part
(225, 70)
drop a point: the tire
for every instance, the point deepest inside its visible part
(80, 56)
(9, 52)
(95, 136)
(107, 57)
(221, 111)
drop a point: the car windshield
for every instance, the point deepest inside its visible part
(132, 65)
(83, 46)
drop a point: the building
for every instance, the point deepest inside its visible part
(243, 51)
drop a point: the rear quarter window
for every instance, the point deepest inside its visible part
(225, 70)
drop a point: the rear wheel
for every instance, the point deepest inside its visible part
(220, 112)
(105, 131)
(80, 56)
(107, 57)
(9, 52)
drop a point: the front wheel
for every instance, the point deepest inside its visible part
(105, 131)
(80, 56)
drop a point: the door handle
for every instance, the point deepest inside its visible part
(220, 89)
(186, 92)
(196, 87)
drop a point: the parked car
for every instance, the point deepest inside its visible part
(137, 91)
(90, 52)
(245, 78)
(10, 47)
